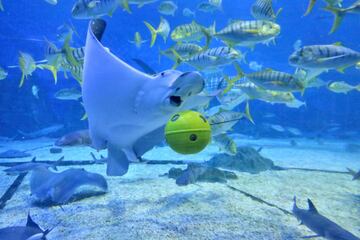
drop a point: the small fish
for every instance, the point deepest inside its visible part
(68, 94)
(294, 131)
(27, 65)
(188, 13)
(248, 33)
(215, 83)
(35, 91)
(185, 50)
(226, 144)
(212, 59)
(295, 103)
(324, 57)
(163, 29)
(339, 13)
(255, 66)
(333, 3)
(140, 3)
(342, 87)
(297, 44)
(208, 7)
(263, 10)
(224, 120)
(90, 9)
(232, 98)
(272, 80)
(53, 2)
(167, 8)
(277, 127)
(138, 40)
(3, 74)
(192, 32)
(255, 92)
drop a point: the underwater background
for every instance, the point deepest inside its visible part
(322, 135)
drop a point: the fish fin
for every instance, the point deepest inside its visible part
(310, 7)
(33, 159)
(352, 172)
(54, 166)
(125, 5)
(30, 223)
(22, 80)
(117, 162)
(337, 44)
(341, 70)
(111, 12)
(68, 51)
(51, 68)
(178, 59)
(153, 33)
(312, 207)
(248, 114)
(320, 60)
(278, 12)
(239, 71)
(338, 17)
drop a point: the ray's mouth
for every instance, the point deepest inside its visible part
(175, 101)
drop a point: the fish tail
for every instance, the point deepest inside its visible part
(248, 114)
(239, 71)
(208, 35)
(84, 117)
(178, 59)
(125, 5)
(310, 7)
(357, 87)
(153, 32)
(51, 68)
(22, 80)
(338, 14)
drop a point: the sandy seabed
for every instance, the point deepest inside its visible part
(142, 205)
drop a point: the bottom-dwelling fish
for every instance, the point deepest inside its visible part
(58, 188)
(31, 231)
(322, 226)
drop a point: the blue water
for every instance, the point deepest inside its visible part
(37, 19)
(327, 115)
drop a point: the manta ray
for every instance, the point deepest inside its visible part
(126, 108)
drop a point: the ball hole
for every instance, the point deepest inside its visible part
(193, 137)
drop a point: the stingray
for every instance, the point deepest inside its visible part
(59, 188)
(125, 105)
(28, 232)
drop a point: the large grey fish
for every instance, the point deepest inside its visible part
(88, 9)
(59, 187)
(42, 132)
(30, 166)
(263, 10)
(324, 57)
(212, 58)
(31, 231)
(322, 226)
(339, 13)
(248, 33)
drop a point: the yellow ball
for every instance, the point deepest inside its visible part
(188, 132)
